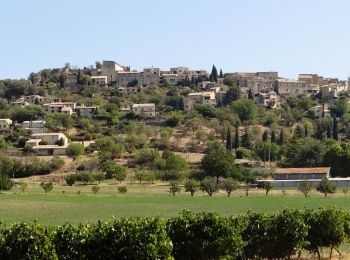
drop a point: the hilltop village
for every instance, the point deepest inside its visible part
(279, 129)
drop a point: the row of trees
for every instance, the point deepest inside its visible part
(189, 236)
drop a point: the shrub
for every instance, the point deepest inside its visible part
(204, 236)
(98, 176)
(5, 183)
(128, 238)
(95, 189)
(47, 186)
(229, 185)
(174, 188)
(326, 187)
(74, 150)
(122, 189)
(26, 241)
(328, 228)
(244, 153)
(191, 186)
(209, 185)
(70, 179)
(23, 185)
(56, 163)
(84, 177)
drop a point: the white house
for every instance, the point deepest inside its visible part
(146, 110)
(5, 124)
(34, 127)
(48, 143)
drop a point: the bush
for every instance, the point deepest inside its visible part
(70, 179)
(26, 241)
(244, 153)
(5, 183)
(95, 189)
(128, 238)
(47, 186)
(122, 189)
(204, 236)
(98, 176)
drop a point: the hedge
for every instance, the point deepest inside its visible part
(188, 236)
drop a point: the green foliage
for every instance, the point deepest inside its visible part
(328, 228)
(171, 162)
(229, 185)
(84, 177)
(305, 187)
(191, 186)
(174, 119)
(204, 236)
(326, 187)
(5, 183)
(209, 185)
(246, 109)
(74, 150)
(268, 187)
(70, 179)
(174, 187)
(95, 189)
(114, 170)
(338, 158)
(147, 156)
(47, 186)
(219, 163)
(26, 241)
(244, 153)
(122, 189)
(23, 185)
(98, 176)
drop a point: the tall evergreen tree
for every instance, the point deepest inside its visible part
(335, 128)
(265, 135)
(79, 80)
(228, 139)
(221, 74)
(319, 132)
(298, 132)
(329, 132)
(237, 141)
(306, 130)
(250, 94)
(214, 74)
(273, 136)
(246, 139)
(281, 139)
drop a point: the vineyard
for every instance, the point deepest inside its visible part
(188, 236)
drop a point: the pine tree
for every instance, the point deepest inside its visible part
(265, 136)
(335, 128)
(281, 141)
(228, 139)
(329, 133)
(273, 136)
(221, 74)
(237, 141)
(214, 74)
(246, 140)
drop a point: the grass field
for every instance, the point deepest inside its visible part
(142, 200)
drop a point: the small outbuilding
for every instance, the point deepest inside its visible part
(312, 173)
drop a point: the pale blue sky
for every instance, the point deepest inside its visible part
(290, 36)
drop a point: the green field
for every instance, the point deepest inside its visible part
(142, 200)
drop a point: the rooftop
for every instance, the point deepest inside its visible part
(312, 170)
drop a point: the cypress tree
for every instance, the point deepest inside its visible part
(273, 136)
(214, 74)
(228, 139)
(221, 74)
(329, 133)
(319, 132)
(306, 130)
(79, 77)
(246, 142)
(265, 136)
(281, 141)
(237, 141)
(298, 133)
(250, 94)
(335, 128)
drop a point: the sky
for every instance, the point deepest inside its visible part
(288, 36)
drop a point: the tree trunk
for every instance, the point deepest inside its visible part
(228, 193)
